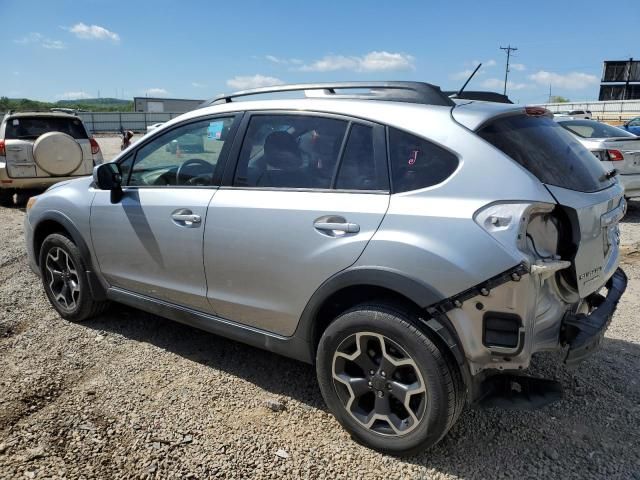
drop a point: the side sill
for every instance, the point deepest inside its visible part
(292, 347)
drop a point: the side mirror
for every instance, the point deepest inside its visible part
(108, 177)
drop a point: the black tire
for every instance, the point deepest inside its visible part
(6, 198)
(398, 327)
(82, 306)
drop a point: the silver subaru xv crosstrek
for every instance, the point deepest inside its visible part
(417, 249)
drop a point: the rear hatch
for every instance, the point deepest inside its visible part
(592, 201)
(21, 132)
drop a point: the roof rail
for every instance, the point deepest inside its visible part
(410, 92)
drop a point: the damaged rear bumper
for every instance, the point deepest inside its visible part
(583, 332)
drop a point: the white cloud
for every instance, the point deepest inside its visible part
(35, 38)
(518, 67)
(371, 62)
(53, 44)
(573, 80)
(463, 75)
(283, 61)
(498, 84)
(73, 95)
(198, 85)
(255, 81)
(93, 32)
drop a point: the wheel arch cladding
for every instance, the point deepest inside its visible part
(56, 222)
(356, 285)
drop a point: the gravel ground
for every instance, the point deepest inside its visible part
(133, 395)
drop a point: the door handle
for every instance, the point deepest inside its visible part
(335, 225)
(345, 227)
(186, 218)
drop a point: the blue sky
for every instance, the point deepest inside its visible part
(197, 49)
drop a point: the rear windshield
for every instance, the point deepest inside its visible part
(548, 151)
(592, 129)
(30, 128)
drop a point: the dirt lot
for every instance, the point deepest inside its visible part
(133, 395)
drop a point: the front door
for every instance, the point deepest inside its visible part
(150, 242)
(308, 194)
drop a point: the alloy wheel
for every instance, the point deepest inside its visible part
(379, 384)
(62, 277)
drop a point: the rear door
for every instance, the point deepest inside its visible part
(307, 194)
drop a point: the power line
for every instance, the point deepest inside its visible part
(508, 49)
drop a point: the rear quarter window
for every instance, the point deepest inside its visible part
(417, 163)
(30, 128)
(548, 151)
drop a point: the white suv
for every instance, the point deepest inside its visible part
(39, 149)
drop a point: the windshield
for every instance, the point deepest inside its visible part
(592, 129)
(30, 128)
(548, 151)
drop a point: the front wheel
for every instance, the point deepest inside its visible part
(64, 280)
(386, 381)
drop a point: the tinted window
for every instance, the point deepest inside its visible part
(290, 151)
(417, 163)
(548, 151)
(358, 167)
(30, 128)
(185, 156)
(591, 129)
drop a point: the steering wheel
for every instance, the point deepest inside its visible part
(181, 176)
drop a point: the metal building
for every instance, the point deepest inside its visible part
(620, 80)
(161, 105)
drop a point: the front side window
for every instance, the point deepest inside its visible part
(289, 151)
(417, 163)
(184, 156)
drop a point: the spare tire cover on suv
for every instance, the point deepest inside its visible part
(57, 153)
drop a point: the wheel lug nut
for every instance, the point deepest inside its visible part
(380, 394)
(383, 374)
(370, 384)
(388, 386)
(371, 372)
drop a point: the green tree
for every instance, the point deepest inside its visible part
(558, 99)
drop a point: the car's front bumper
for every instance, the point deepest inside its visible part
(584, 332)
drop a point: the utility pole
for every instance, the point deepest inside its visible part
(508, 49)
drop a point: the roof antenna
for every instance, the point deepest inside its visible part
(467, 82)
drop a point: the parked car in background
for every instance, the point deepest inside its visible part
(369, 231)
(39, 149)
(586, 114)
(616, 148)
(632, 126)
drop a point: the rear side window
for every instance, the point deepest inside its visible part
(548, 151)
(358, 169)
(30, 128)
(417, 163)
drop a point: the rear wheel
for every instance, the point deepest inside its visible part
(6, 197)
(386, 381)
(64, 280)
